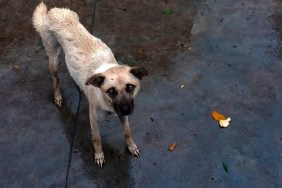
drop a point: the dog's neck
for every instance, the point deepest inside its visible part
(104, 67)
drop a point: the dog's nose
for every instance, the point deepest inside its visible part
(125, 108)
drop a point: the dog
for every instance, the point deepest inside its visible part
(108, 86)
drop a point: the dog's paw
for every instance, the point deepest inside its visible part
(134, 150)
(58, 101)
(99, 159)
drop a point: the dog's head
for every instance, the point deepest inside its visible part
(119, 84)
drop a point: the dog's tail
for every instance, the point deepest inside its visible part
(39, 16)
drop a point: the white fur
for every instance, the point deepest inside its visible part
(103, 68)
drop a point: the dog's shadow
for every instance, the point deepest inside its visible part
(116, 170)
(74, 114)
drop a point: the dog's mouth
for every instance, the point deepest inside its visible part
(124, 108)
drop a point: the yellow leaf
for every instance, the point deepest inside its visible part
(217, 116)
(172, 146)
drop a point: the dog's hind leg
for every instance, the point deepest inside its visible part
(53, 50)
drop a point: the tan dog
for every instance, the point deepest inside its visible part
(109, 87)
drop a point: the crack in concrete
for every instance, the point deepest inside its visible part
(77, 110)
(72, 140)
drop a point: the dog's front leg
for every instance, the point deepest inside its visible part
(131, 146)
(96, 138)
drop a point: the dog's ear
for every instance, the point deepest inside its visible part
(139, 72)
(96, 80)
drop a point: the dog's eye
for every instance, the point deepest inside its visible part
(112, 92)
(129, 88)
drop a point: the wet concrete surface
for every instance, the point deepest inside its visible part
(227, 54)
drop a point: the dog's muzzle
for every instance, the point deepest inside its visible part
(124, 108)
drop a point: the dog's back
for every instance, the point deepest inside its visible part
(84, 53)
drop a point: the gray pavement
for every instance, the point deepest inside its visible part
(228, 56)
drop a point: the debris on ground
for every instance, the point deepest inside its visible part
(172, 146)
(217, 116)
(182, 86)
(225, 167)
(222, 120)
(168, 11)
(224, 123)
(16, 67)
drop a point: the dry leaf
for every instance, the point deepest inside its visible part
(17, 67)
(172, 146)
(217, 116)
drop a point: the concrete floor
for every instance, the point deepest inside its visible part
(228, 56)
